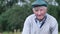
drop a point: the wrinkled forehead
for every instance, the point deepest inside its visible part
(40, 7)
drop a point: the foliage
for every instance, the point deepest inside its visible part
(13, 16)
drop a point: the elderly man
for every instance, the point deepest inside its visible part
(40, 22)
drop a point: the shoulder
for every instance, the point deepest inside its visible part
(51, 19)
(29, 19)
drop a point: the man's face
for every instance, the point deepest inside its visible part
(40, 12)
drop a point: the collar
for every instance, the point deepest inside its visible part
(36, 20)
(42, 22)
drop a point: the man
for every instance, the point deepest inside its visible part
(40, 22)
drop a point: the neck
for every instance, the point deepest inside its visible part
(40, 19)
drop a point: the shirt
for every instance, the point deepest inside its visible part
(40, 22)
(50, 26)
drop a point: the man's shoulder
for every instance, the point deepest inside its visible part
(51, 18)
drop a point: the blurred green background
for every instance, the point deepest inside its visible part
(14, 12)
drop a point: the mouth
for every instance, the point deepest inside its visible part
(39, 15)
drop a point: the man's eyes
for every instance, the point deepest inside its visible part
(41, 9)
(38, 9)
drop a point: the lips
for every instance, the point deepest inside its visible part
(40, 15)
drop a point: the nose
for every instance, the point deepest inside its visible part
(39, 12)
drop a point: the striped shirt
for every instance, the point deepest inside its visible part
(49, 27)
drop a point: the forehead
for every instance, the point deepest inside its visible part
(42, 7)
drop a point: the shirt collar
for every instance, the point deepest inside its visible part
(36, 20)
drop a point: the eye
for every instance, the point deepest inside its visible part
(41, 9)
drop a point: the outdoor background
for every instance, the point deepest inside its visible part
(14, 12)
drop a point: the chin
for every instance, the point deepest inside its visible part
(40, 17)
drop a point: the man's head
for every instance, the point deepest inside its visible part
(39, 8)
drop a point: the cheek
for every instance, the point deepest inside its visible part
(43, 12)
(35, 12)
